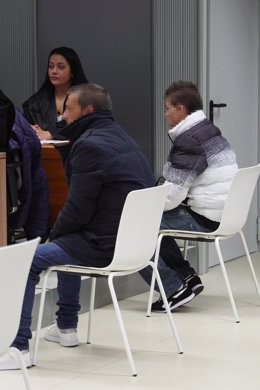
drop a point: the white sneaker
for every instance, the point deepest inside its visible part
(66, 337)
(10, 361)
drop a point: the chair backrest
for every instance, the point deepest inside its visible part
(238, 200)
(15, 263)
(139, 227)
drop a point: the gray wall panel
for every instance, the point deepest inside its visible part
(17, 42)
(113, 40)
(175, 57)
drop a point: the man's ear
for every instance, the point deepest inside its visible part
(88, 110)
(182, 109)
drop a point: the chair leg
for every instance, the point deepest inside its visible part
(40, 314)
(223, 268)
(166, 304)
(250, 262)
(185, 249)
(156, 258)
(91, 307)
(23, 368)
(121, 325)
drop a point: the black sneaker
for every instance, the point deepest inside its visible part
(179, 298)
(158, 306)
(195, 283)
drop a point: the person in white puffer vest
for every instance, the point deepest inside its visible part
(200, 167)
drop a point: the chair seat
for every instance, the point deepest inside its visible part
(94, 271)
(190, 235)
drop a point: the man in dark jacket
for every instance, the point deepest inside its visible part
(102, 164)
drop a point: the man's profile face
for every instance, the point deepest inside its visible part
(174, 114)
(73, 110)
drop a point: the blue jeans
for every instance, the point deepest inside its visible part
(173, 268)
(48, 255)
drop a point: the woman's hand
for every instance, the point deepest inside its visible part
(42, 134)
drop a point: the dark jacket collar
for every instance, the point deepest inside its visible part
(85, 123)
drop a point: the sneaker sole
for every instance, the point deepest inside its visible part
(16, 368)
(63, 343)
(15, 365)
(198, 289)
(162, 310)
(185, 300)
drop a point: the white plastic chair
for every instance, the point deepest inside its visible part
(15, 263)
(233, 219)
(135, 246)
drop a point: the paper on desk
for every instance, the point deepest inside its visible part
(55, 142)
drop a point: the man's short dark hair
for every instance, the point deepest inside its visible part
(94, 95)
(186, 93)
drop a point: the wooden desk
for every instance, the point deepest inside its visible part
(3, 210)
(53, 166)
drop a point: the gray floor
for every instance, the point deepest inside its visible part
(218, 353)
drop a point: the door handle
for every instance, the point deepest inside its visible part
(213, 105)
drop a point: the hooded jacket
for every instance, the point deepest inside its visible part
(102, 165)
